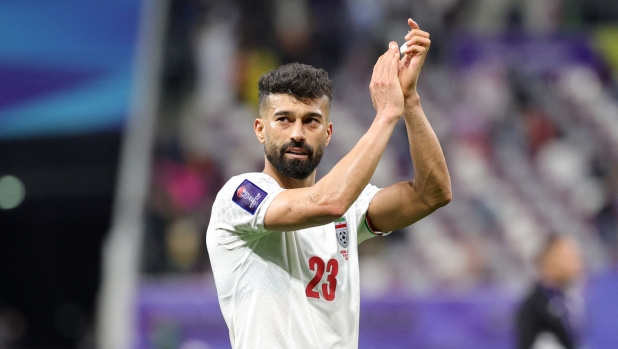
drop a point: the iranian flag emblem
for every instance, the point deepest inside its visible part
(341, 229)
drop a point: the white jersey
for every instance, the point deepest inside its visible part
(296, 289)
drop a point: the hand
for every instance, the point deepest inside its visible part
(385, 89)
(410, 65)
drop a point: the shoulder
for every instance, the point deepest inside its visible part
(253, 182)
(247, 191)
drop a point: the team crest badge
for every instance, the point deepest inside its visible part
(341, 229)
(249, 196)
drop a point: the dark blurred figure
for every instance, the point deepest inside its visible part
(552, 306)
(184, 16)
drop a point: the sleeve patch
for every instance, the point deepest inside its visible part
(248, 196)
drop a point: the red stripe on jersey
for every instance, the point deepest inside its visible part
(340, 225)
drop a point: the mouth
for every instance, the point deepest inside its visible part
(298, 153)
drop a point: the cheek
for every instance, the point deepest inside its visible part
(268, 134)
(274, 132)
(325, 141)
(270, 144)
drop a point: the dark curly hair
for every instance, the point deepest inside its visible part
(301, 81)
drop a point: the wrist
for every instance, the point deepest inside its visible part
(389, 115)
(385, 122)
(412, 101)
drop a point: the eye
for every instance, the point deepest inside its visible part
(312, 121)
(283, 119)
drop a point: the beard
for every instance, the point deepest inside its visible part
(294, 168)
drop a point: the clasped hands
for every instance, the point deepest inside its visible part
(394, 80)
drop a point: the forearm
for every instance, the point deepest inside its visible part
(350, 175)
(431, 178)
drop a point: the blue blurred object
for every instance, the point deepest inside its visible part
(65, 66)
(602, 306)
(537, 54)
(176, 312)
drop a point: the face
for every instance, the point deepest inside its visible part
(294, 133)
(564, 262)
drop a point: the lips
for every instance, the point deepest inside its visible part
(296, 151)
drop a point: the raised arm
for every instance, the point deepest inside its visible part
(404, 203)
(331, 197)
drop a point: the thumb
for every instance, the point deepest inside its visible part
(413, 24)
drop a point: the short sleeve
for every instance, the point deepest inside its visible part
(365, 231)
(239, 209)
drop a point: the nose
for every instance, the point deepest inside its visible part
(298, 131)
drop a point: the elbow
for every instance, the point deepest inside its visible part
(445, 198)
(330, 205)
(334, 208)
(335, 211)
(440, 198)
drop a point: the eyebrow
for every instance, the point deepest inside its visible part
(287, 112)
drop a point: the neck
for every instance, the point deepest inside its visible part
(288, 182)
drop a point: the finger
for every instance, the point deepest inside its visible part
(416, 32)
(420, 41)
(416, 49)
(413, 24)
(393, 59)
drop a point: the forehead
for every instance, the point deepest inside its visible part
(279, 102)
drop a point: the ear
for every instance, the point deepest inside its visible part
(329, 133)
(258, 127)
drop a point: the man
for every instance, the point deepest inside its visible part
(549, 308)
(283, 248)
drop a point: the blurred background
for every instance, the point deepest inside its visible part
(121, 120)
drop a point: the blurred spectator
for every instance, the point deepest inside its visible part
(183, 189)
(553, 306)
(539, 128)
